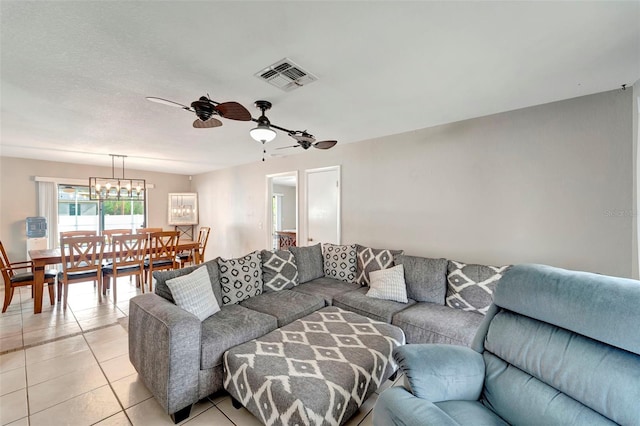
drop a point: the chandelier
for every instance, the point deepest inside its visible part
(116, 188)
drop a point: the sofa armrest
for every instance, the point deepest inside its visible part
(396, 406)
(438, 372)
(164, 347)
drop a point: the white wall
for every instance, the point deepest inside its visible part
(545, 184)
(19, 199)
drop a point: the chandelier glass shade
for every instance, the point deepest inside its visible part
(116, 188)
(262, 133)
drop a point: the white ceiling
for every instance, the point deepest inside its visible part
(75, 74)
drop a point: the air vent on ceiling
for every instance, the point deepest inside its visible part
(286, 75)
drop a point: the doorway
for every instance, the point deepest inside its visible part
(282, 210)
(323, 205)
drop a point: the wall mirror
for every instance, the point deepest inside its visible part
(183, 208)
(282, 210)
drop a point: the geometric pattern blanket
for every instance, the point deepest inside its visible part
(317, 370)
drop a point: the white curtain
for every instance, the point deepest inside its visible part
(48, 208)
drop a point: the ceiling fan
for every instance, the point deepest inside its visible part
(306, 141)
(205, 109)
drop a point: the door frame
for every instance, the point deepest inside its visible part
(303, 237)
(268, 212)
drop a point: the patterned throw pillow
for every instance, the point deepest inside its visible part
(193, 293)
(240, 278)
(388, 284)
(470, 287)
(370, 259)
(340, 262)
(279, 270)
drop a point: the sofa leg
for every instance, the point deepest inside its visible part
(236, 404)
(181, 415)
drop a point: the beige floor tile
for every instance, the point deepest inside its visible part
(12, 380)
(22, 422)
(12, 360)
(150, 412)
(118, 419)
(212, 416)
(118, 368)
(55, 349)
(55, 367)
(384, 386)
(45, 334)
(55, 391)
(94, 311)
(368, 421)
(105, 334)
(13, 406)
(108, 349)
(47, 319)
(101, 321)
(85, 409)
(238, 417)
(364, 410)
(10, 325)
(11, 342)
(130, 390)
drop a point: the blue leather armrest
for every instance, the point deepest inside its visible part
(436, 372)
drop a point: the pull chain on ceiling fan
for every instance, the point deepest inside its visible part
(205, 109)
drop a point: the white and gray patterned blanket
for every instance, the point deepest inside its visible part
(315, 371)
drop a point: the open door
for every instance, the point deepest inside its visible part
(282, 210)
(323, 205)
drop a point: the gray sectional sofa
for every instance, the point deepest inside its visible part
(179, 357)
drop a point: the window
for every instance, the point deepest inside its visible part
(76, 212)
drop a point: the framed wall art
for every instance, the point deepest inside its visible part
(183, 208)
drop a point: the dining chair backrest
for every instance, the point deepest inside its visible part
(81, 254)
(148, 230)
(67, 234)
(7, 273)
(110, 233)
(163, 245)
(203, 237)
(129, 250)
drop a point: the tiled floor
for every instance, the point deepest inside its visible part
(71, 367)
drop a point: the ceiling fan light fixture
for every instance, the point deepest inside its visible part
(262, 133)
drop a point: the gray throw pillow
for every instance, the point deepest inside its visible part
(161, 288)
(426, 278)
(279, 270)
(470, 287)
(340, 262)
(193, 293)
(309, 261)
(240, 278)
(370, 259)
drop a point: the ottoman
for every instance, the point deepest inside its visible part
(316, 370)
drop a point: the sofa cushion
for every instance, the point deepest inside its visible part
(279, 270)
(340, 262)
(327, 288)
(426, 278)
(388, 284)
(241, 278)
(286, 305)
(161, 277)
(233, 325)
(470, 287)
(377, 309)
(370, 259)
(309, 261)
(431, 323)
(193, 293)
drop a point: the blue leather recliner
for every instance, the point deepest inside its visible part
(557, 347)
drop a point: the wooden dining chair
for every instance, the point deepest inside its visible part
(162, 253)
(147, 230)
(81, 262)
(13, 279)
(196, 256)
(110, 233)
(66, 234)
(126, 259)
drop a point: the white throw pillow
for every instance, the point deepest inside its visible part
(388, 284)
(194, 294)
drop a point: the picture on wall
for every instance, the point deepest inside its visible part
(183, 208)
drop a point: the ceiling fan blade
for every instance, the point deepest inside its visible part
(167, 102)
(212, 122)
(292, 146)
(233, 111)
(325, 144)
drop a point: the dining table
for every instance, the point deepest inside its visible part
(42, 258)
